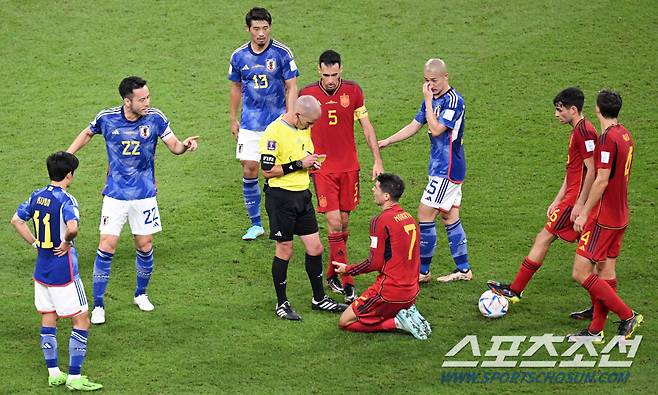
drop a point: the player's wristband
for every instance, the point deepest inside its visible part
(292, 166)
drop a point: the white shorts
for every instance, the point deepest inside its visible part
(67, 301)
(143, 216)
(248, 147)
(442, 194)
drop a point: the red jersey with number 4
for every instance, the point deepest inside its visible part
(615, 152)
(395, 254)
(581, 146)
(333, 133)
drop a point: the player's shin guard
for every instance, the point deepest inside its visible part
(314, 271)
(77, 350)
(600, 311)
(427, 245)
(102, 266)
(144, 267)
(49, 346)
(251, 194)
(524, 275)
(384, 326)
(280, 278)
(603, 292)
(457, 243)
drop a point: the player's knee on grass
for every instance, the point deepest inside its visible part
(347, 318)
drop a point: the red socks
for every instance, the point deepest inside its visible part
(338, 252)
(600, 311)
(523, 276)
(602, 292)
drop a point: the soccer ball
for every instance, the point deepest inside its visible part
(492, 305)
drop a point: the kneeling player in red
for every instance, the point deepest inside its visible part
(389, 303)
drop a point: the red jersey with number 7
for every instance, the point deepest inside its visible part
(394, 253)
(615, 152)
(333, 133)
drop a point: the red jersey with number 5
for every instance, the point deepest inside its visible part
(581, 146)
(615, 152)
(333, 133)
(394, 253)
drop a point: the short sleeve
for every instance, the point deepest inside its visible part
(269, 144)
(585, 145)
(451, 113)
(605, 153)
(289, 66)
(25, 211)
(161, 123)
(70, 211)
(234, 69)
(359, 102)
(420, 115)
(96, 125)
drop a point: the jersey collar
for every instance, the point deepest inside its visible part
(258, 54)
(340, 82)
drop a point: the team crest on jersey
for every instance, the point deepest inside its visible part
(345, 100)
(270, 64)
(144, 131)
(104, 220)
(322, 201)
(271, 145)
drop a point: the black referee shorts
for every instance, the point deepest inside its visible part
(290, 213)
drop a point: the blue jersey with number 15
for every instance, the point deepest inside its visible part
(446, 151)
(130, 149)
(51, 208)
(263, 77)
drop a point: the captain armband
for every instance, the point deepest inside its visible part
(267, 161)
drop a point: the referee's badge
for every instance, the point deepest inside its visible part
(270, 64)
(345, 100)
(271, 145)
(144, 131)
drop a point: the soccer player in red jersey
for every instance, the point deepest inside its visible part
(603, 221)
(337, 182)
(395, 253)
(571, 197)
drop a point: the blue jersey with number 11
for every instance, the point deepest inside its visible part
(446, 152)
(51, 208)
(263, 77)
(130, 151)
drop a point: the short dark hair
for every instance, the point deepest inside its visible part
(570, 97)
(391, 184)
(258, 14)
(609, 103)
(329, 57)
(129, 84)
(60, 164)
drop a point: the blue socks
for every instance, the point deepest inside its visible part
(102, 266)
(427, 245)
(77, 350)
(144, 267)
(49, 345)
(457, 243)
(251, 193)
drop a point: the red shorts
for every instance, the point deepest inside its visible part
(337, 191)
(559, 223)
(371, 309)
(598, 243)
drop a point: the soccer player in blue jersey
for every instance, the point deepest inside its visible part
(131, 133)
(58, 290)
(263, 75)
(443, 110)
